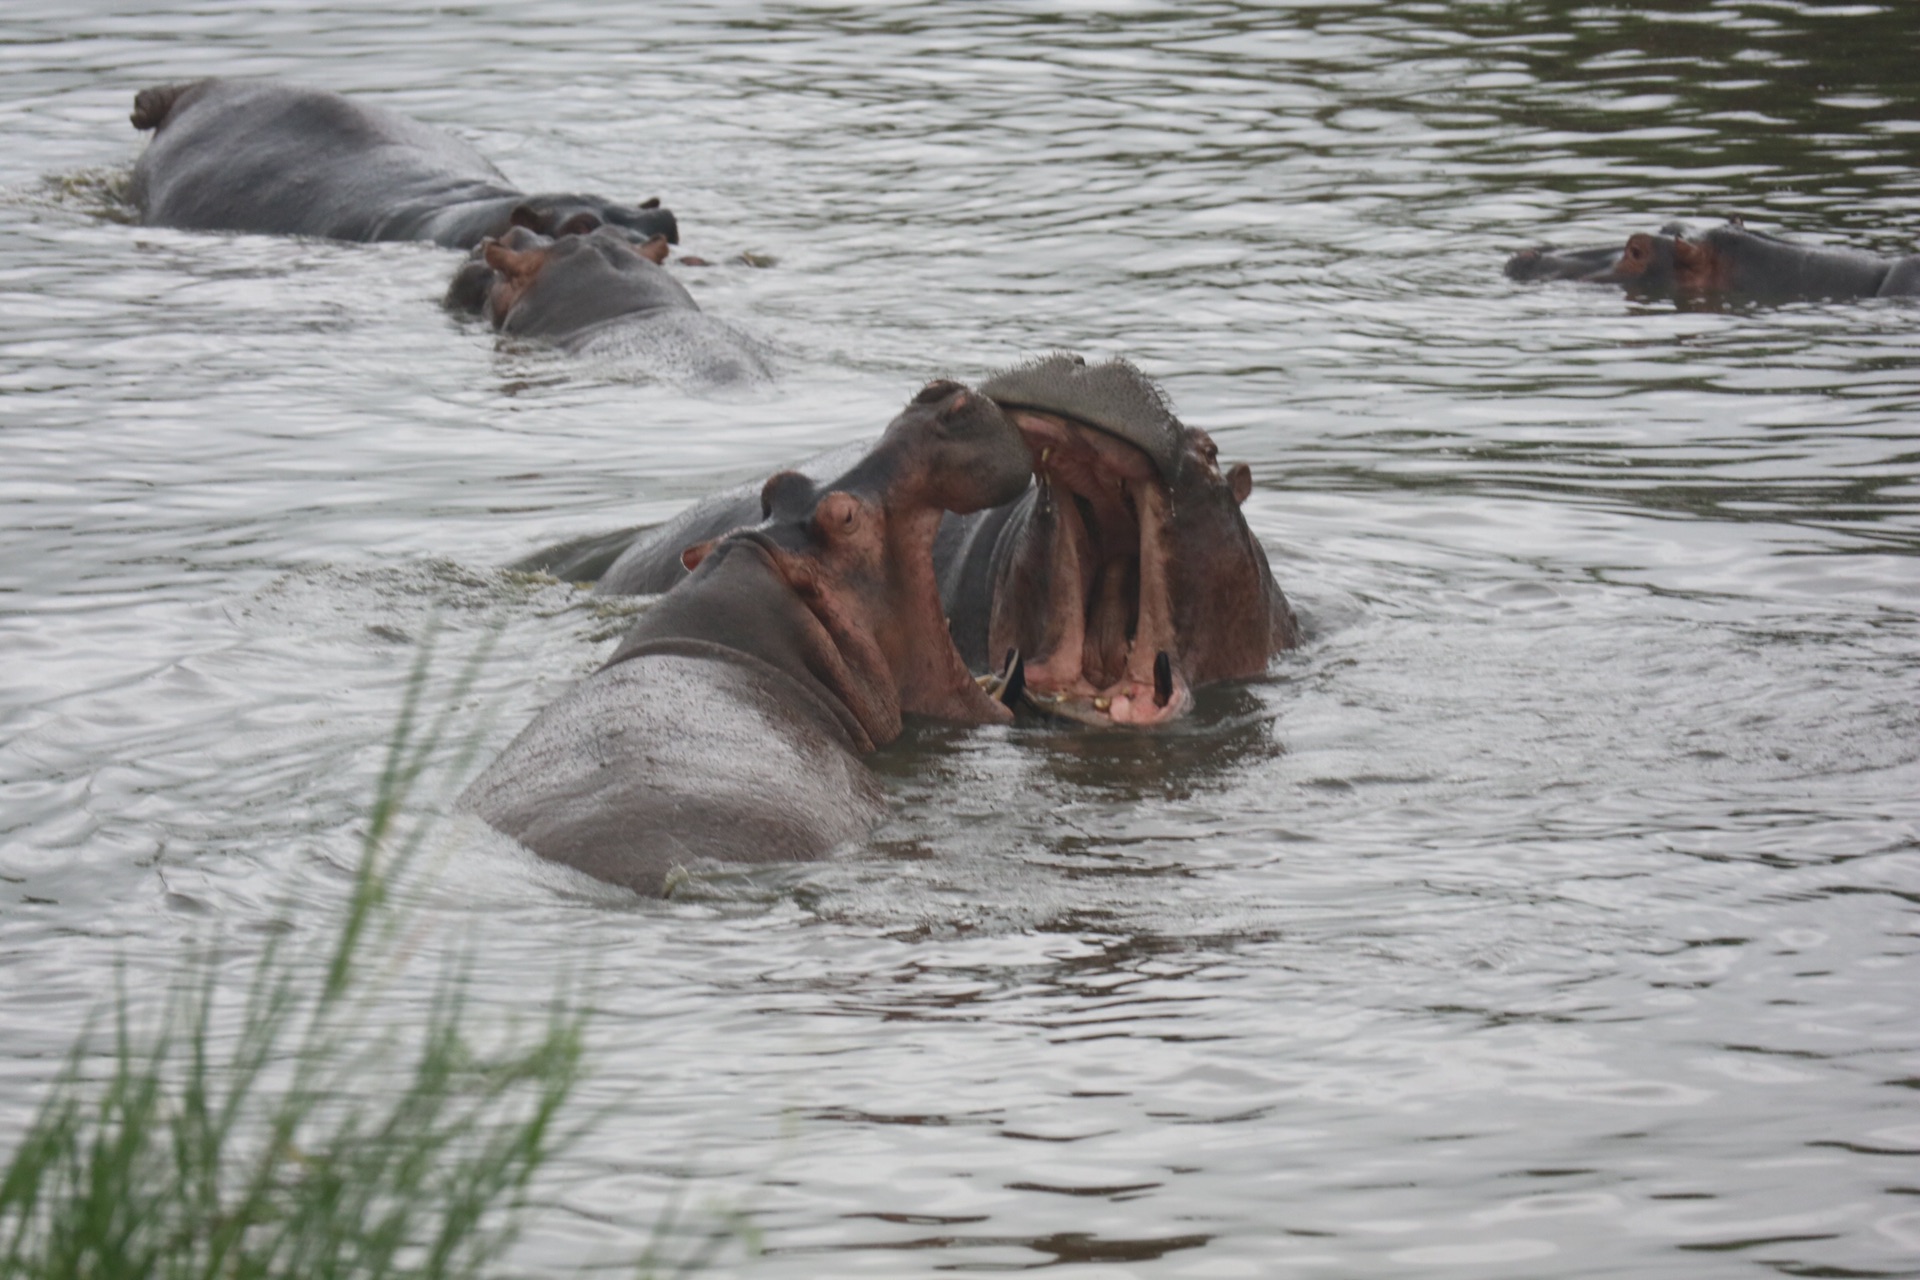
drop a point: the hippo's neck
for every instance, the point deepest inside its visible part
(458, 216)
(737, 606)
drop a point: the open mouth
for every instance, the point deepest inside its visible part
(1099, 645)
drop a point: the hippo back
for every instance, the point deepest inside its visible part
(651, 563)
(1903, 278)
(262, 156)
(1766, 268)
(674, 759)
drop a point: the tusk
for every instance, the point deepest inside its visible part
(1013, 678)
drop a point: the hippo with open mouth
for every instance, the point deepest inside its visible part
(729, 724)
(1127, 575)
(1119, 582)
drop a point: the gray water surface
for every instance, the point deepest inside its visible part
(1553, 912)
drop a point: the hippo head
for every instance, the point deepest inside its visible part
(1544, 262)
(1646, 265)
(531, 284)
(568, 215)
(857, 554)
(1134, 577)
(472, 285)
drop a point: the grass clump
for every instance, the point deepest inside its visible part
(304, 1127)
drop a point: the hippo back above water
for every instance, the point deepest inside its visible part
(729, 723)
(275, 158)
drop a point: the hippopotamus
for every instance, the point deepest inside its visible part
(266, 156)
(1124, 578)
(601, 293)
(1726, 260)
(729, 723)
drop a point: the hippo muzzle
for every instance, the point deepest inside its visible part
(1131, 577)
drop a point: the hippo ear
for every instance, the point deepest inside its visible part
(654, 250)
(691, 557)
(938, 389)
(1240, 480)
(784, 490)
(651, 202)
(511, 263)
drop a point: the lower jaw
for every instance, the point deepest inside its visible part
(1122, 706)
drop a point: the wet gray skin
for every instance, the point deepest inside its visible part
(1123, 578)
(561, 290)
(282, 159)
(729, 723)
(1729, 261)
(605, 293)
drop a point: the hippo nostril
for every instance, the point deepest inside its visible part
(938, 389)
(1162, 679)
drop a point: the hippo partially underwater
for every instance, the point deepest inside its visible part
(1726, 261)
(1123, 579)
(601, 293)
(729, 723)
(266, 156)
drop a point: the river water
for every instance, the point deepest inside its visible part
(1551, 913)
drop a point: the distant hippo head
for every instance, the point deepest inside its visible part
(857, 553)
(1648, 264)
(472, 284)
(532, 285)
(569, 215)
(1133, 577)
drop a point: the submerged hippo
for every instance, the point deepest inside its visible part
(1124, 578)
(729, 723)
(602, 294)
(264, 156)
(1729, 260)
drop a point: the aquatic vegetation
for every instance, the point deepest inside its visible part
(330, 1119)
